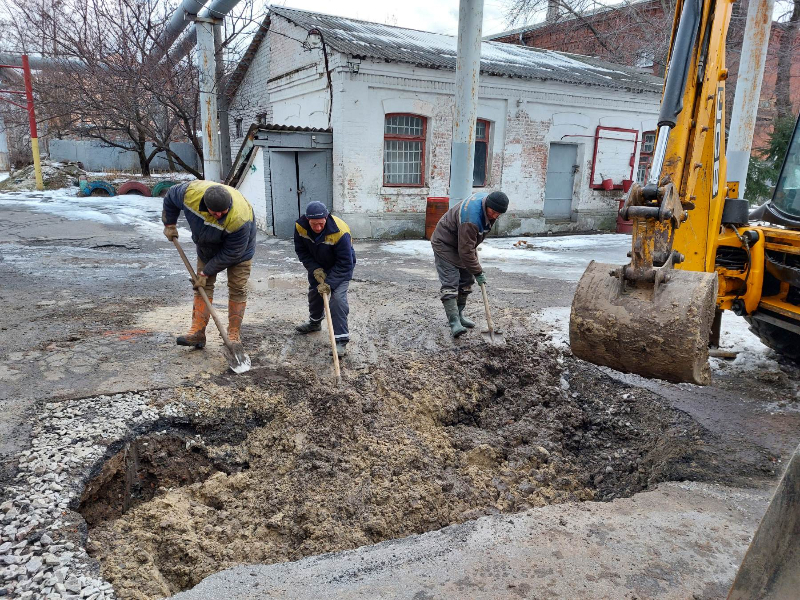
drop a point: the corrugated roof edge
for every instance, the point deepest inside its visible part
(242, 157)
(645, 83)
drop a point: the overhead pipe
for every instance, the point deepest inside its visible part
(218, 9)
(179, 21)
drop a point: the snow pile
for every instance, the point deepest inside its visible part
(140, 212)
(562, 257)
(752, 354)
(55, 175)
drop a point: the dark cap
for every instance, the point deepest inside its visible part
(497, 201)
(316, 210)
(217, 199)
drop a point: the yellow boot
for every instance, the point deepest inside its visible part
(197, 332)
(235, 316)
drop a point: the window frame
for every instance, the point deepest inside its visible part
(407, 138)
(238, 124)
(646, 158)
(485, 139)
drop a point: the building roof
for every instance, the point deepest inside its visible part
(362, 39)
(593, 12)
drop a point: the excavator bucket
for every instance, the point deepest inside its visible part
(654, 331)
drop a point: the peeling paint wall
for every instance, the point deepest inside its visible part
(525, 118)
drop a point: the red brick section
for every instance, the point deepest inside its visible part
(626, 34)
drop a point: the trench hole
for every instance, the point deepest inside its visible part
(410, 446)
(144, 467)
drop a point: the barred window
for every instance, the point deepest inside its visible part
(404, 150)
(646, 156)
(479, 165)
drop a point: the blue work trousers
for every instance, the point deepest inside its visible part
(339, 308)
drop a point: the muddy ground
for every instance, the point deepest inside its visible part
(423, 433)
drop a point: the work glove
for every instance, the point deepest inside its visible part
(319, 275)
(200, 281)
(323, 288)
(171, 232)
(480, 278)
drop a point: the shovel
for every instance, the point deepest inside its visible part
(491, 336)
(336, 370)
(238, 360)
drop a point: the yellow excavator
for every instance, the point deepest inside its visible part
(694, 250)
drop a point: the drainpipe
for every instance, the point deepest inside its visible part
(470, 23)
(748, 92)
(4, 165)
(212, 167)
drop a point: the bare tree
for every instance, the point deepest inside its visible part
(787, 30)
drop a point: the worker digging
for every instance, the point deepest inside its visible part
(322, 243)
(224, 231)
(455, 244)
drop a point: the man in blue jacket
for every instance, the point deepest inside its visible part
(323, 245)
(224, 230)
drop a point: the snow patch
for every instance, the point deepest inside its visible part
(752, 354)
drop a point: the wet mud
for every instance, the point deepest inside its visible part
(283, 465)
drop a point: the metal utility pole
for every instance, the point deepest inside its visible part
(212, 167)
(4, 162)
(222, 103)
(37, 164)
(470, 25)
(748, 92)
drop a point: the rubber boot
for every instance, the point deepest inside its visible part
(451, 309)
(341, 349)
(197, 332)
(309, 327)
(462, 303)
(235, 316)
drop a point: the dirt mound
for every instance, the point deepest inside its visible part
(55, 175)
(409, 447)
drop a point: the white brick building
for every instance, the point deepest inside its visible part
(552, 126)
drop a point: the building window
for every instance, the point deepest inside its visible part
(646, 156)
(404, 150)
(481, 163)
(261, 118)
(238, 128)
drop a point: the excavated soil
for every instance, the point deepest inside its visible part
(276, 464)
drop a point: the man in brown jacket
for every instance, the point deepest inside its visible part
(455, 247)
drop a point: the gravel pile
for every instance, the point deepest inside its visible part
(41, 555)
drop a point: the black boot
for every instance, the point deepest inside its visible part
(462, 303)
(309, 327)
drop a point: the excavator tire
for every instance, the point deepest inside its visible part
(784, 342)
(663, 336)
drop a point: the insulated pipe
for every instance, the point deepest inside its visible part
(218, 9)
(179, 21)
(37, 63)
(748, 90)
(468, 64)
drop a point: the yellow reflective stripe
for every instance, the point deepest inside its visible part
(302, 231)
(240, 212)
(333, 238)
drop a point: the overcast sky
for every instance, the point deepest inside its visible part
(439, 16)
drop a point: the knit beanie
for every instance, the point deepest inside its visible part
(497, 201)
(316, 210)
(217, 199)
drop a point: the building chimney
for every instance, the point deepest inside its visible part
(552, 11)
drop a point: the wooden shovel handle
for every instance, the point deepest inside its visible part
(332, 336)
(489, 323)
(204, 296)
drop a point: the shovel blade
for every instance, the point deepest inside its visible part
(493, 337)
(238, 361)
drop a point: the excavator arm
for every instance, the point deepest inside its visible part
(654, 316)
